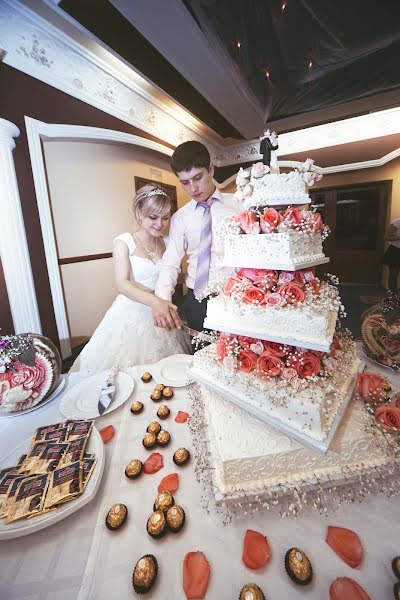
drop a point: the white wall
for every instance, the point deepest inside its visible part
(91, 185)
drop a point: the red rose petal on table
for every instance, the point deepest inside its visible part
(170, 483)
(344, 588)
(196, 573)
(256, 551)
(346, 544)
(153, 464)
(182, 417)
(107, 433)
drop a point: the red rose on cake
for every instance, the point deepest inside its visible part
(247, 361)
(307, 365)
(372, 387)
(270, 220)
(222, 346)
(248, 222)
(269, 366)
(253, 295)
(276, 349)
(291, 292)
(388, 417)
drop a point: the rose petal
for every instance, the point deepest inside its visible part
(170, 483)
(107, 433)
(346, 544)
(256, 551)
(181, 417)
(153, 464)
(196, 573)
(344, 588)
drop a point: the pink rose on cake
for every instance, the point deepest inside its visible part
(314, 219)
(276, 349)
(259, 170)
(270, 220)
(269, 366)
(307, 165)
(253, 295)
(288, 373)
(304, 276)
(222, 345)
(310, 177)
(258, 274)
(292, 292)
(273, 299)
(247, 361)
(285, 277)
(248, 222)
(307, 365)
(292, 218)
(257, 347)
(372, 387)
(388, 417)
(245, 341)
(243, 177)
(232, 284)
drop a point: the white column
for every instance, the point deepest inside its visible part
(13, 245)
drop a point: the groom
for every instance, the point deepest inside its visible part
(193, 233)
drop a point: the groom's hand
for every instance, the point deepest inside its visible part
(165, 314)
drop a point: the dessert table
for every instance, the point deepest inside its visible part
(79, 558)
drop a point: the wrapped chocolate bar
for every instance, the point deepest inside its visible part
(75, 450)
(5, 484)
(42, 431)
(88, 465)
(28, 464)
(58, 436)
(10, 497)
(50, 458)
(65, 483)
(29, 499)
(79, 429)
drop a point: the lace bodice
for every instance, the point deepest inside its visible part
(143, 270)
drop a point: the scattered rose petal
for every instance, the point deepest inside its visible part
(153, 464)
(344, 588)
(182, 417)
(196, 573)
(107, 433)
(170, 483)
(256, 551)
(346, 544)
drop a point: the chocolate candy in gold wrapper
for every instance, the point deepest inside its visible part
(154, 427)
(168, 393)
(251, 591)
(116, 516)
(156, 396)
(156, 524)
(298, 566)
(396, 566)
(144, 573)
(163, 438)
(396, 590)
(134, 469)
(159, 387)
(146, 377)
(181, 457)
(163, 412)
(136, 407)
(149, 441)
(175, 517)
(164, 501)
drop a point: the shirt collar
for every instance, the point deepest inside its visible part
(217, 195)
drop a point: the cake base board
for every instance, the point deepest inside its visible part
(240, 401)
(262, 263)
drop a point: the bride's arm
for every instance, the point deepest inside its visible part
(133, 290)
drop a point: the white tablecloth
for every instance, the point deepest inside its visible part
(50, 564)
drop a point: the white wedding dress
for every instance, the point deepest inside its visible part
(127, 336)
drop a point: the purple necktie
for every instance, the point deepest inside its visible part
(203, 259)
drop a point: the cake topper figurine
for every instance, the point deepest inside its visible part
(268, 145)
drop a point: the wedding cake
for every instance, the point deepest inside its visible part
(277, 355)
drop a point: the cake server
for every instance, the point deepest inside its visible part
(108, 391)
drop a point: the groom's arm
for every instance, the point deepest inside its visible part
(172, 259)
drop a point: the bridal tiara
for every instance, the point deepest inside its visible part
(155, 192)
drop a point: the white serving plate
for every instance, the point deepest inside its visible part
(81, 400)
(53, 396)
(172, 370)
(28, 526)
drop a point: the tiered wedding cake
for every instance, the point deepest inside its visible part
(277, 355)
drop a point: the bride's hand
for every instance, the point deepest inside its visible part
(165, 314)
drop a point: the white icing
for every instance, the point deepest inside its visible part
(285, 188)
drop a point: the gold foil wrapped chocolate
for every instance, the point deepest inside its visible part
(146, 377)
(181, 457)
(164, 501)
(298, 566)
(156, 396)
(144, 573)
(163, 438)
(154, 427)
(134, 469)
(116, 516)
(156, 524)
(175, 517)
(168, 393)
(149, 441)
(251, 591)
(159, 387)
(163, 412)
(136, 407)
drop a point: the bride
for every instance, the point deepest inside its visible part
(127, 336)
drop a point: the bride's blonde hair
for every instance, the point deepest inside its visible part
(150, 199)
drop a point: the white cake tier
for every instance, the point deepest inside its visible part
(287, 251)
(278, 190)
(309, 325)
(262, 457)
(310, 411)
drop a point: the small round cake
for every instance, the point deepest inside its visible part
(116, 516)
(134, 469)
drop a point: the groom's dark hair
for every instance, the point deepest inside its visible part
(189, 155)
